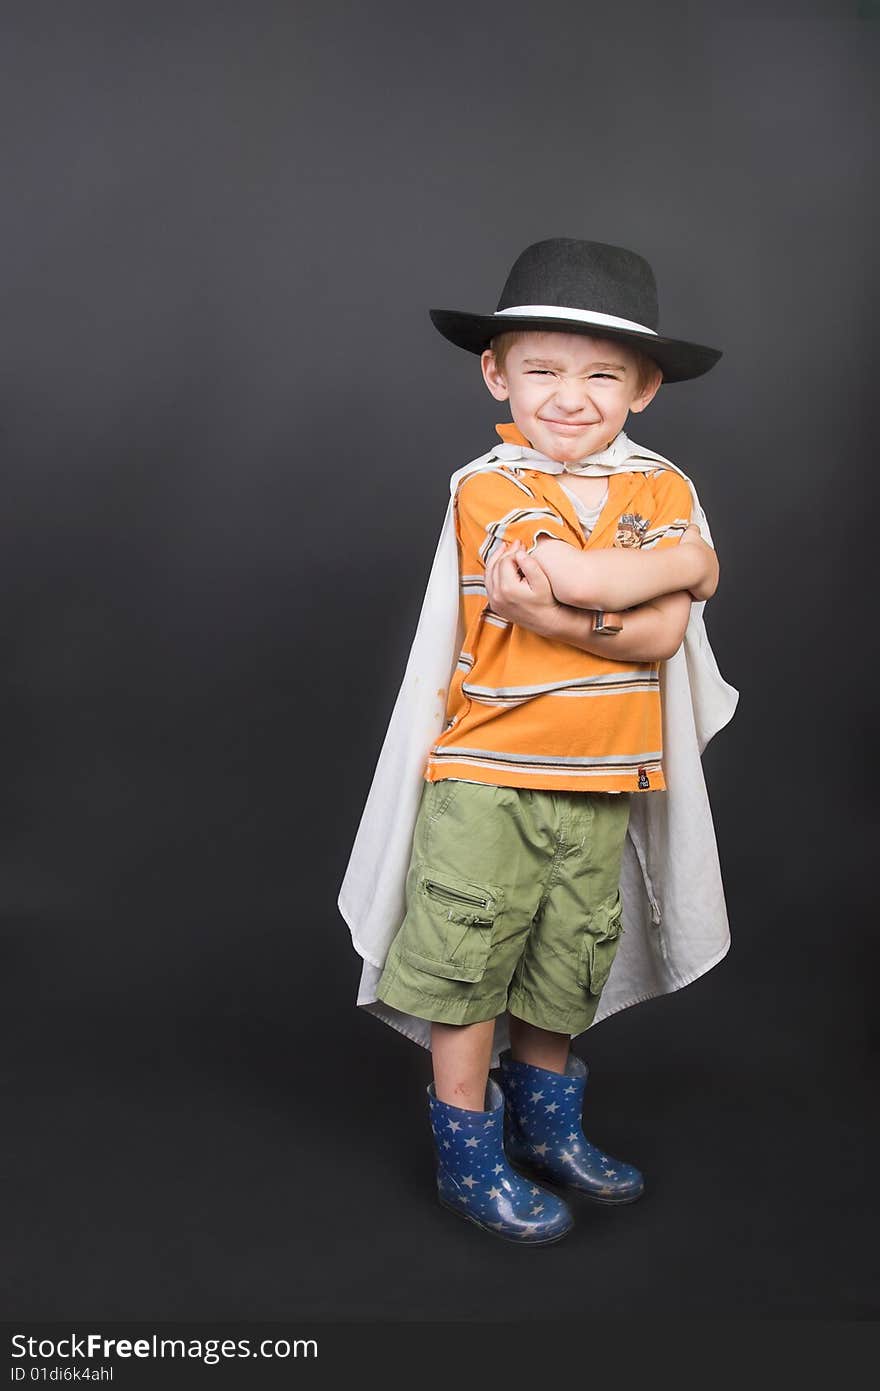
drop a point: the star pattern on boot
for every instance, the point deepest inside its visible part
(474, 1176)
(548, 1137)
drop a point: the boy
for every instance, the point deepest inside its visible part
(553, 733)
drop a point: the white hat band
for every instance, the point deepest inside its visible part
(587, 316)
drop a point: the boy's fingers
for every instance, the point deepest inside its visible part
(505, 574)
(500, 571)
(501, 568)
(494, 573)
(492, 562)
(497, 555)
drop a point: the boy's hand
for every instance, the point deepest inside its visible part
(519, 590)
(707, 588)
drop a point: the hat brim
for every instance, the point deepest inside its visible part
(678, 360)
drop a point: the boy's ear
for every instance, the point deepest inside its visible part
(493, 376)
(647, 396)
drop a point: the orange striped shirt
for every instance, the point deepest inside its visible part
(530, 711)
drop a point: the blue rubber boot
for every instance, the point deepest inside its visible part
(543, 1135)
(475, 1180)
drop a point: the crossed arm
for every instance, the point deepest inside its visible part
(555, 588)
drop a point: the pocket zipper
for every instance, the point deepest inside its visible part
(441, 891)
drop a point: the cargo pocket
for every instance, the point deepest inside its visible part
(450, 925)
(599, 944)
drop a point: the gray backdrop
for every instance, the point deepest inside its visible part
(228, 429)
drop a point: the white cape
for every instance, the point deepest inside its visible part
(673, 911)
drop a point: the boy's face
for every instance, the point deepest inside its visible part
(569, 393)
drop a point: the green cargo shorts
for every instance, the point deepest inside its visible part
(512, 903)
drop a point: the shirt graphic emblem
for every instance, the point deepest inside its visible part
(631, 528)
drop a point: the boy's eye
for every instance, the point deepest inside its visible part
(545, 372)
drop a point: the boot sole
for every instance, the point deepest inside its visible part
(563, 1189)
(514, 1240)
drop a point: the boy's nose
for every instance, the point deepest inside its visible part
(571, 396)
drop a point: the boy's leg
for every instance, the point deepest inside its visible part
(559, 982)
(540, 1047)
(475, 1179)
(461, 1054)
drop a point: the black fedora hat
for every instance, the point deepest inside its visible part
(564, 284)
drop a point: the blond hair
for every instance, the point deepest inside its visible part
(646, 367)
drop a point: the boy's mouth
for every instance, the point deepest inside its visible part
(567, 424)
